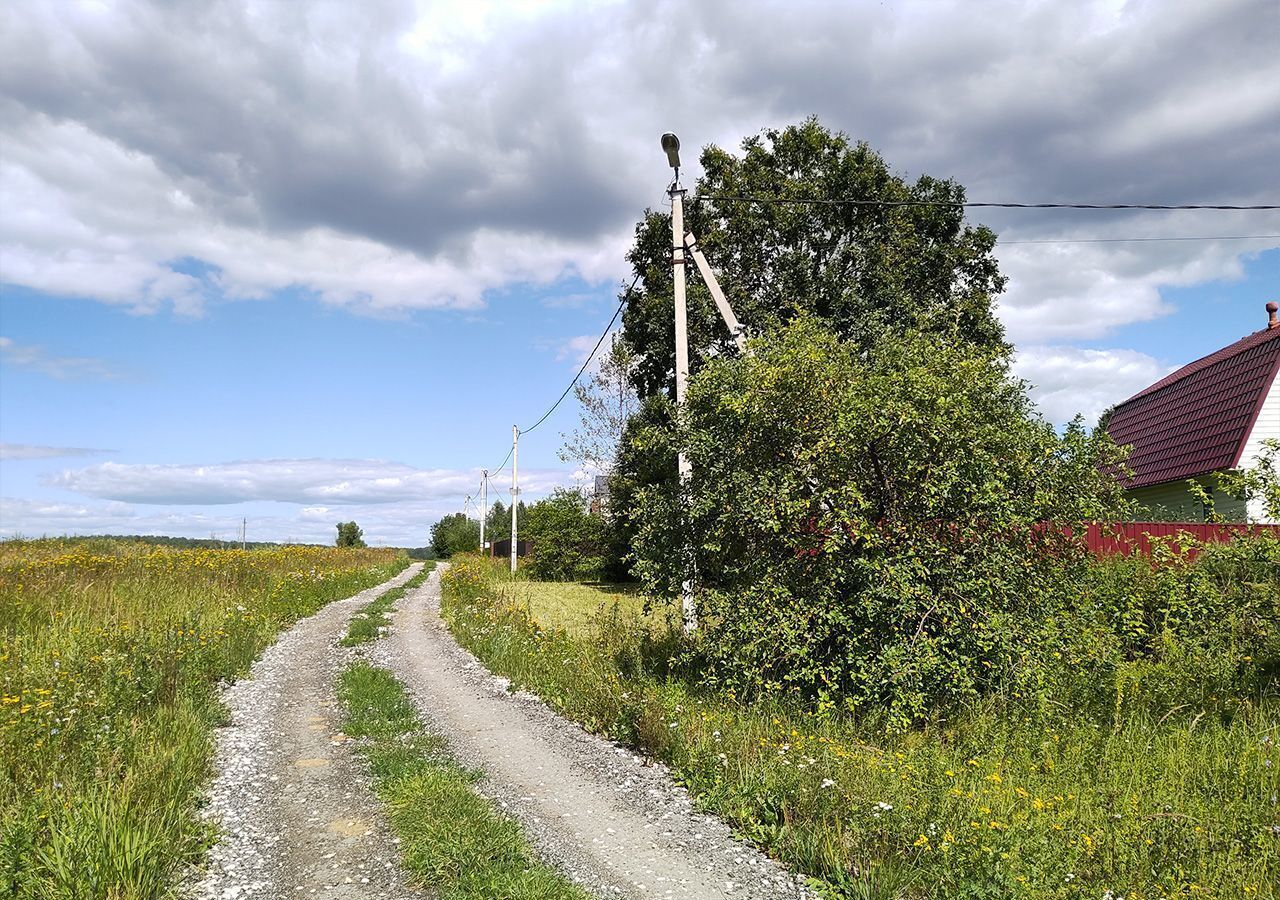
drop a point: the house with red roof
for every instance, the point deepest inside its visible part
(1209, 416)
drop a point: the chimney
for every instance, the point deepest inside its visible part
(1272, 321)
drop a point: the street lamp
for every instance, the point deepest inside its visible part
(671, 146)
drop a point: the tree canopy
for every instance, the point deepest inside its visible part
(350, 535)
(455, 533)
(567, 540)
(868, 270)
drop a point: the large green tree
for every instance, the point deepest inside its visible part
(497, 524)
(350, 535)
(455, 533)
(869, 270)
(567, 540)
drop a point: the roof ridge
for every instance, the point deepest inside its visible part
(1197, 419)
(1247, 342)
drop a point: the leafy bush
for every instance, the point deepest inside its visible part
(567, 541)
(455, 533)
(866, 523)
(1178, 631)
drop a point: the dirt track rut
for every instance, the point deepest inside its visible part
(297, 812)
(611, 821)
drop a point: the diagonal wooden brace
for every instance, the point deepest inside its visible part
(736, 329)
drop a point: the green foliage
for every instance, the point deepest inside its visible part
(497, 524)
(350, 535)
(455, 533)
(992, 800)
(567, 540)
(867, 523)
(867, 270)
(1192, 628)
(1260, 482)
(450, 837)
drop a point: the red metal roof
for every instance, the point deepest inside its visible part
(1197, 420)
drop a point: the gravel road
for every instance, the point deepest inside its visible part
(296, 809)
(609, 820)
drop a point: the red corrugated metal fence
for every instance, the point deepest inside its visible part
(1111, 538)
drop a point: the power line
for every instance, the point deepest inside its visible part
(506, 459)
(1137, 240)
(848, 201)
(590, 357)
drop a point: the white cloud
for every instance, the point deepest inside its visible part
(409, 155)
(577, 349)
(1063, 291)
(317, 484)
(37, 451)
(35, 358)
(1069, 380)
(298, 500)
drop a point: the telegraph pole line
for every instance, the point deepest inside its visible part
(515, 491)
(671, 144)
(484, 504)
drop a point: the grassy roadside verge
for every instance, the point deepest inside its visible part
(451, 838)
(366, 625)
(991, 803)
(111, 655)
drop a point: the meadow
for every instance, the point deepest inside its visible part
(111, 658)
(1140, 795)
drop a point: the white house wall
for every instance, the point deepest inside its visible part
(1266, 427)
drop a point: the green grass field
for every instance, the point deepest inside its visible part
(573, 606)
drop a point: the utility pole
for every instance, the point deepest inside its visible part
(244, 534)
(671, 144)
(484, 504)
(515, 491)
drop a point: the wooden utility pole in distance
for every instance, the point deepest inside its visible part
(515, 491)
(484, 504)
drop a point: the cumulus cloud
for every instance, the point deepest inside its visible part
(392, 155)
(283, 499)
(1066, 381)
(35, 358)
(313, 483)
(38, 451)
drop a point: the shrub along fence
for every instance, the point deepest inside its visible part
(1127, 538)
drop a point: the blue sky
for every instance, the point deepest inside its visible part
(302, 268)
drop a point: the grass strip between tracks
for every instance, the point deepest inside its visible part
(451, 838)
(366, 625)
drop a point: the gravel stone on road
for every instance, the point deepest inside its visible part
(295, 808)
(611, 821)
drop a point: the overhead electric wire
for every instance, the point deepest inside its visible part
(1139, 240)
(967, 204)
(604, 334)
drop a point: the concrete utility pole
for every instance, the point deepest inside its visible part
(515, 491)
(671, 145)
(484, 504)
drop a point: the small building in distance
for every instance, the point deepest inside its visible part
(600, 496)
(1209, 416)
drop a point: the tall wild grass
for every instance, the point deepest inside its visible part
(111, 656)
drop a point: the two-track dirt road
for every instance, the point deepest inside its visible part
(300, 818)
